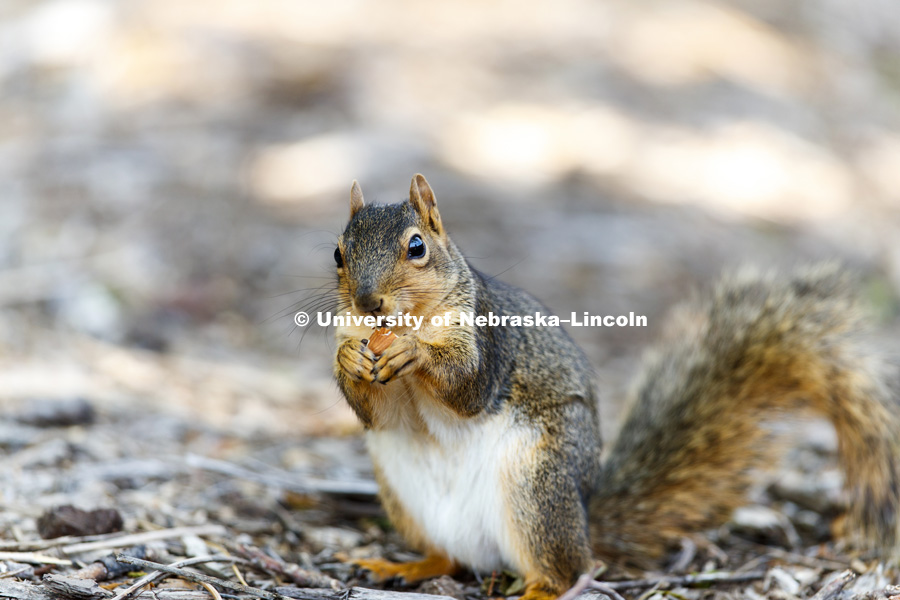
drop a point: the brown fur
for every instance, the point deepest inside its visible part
(758, 347)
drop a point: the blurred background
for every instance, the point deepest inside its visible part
(173, 176)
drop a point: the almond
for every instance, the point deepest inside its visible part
(380, 340)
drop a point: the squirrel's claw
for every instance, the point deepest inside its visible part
(400, 357)
(356, 361)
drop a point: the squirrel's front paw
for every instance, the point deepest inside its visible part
(356, 360)
(401, 357)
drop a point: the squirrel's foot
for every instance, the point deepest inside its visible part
(433, 565)
(541, 590)
(356, 360)
(402, 356)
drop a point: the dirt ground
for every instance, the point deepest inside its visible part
(173, 177)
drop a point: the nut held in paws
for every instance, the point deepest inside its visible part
(380, 340)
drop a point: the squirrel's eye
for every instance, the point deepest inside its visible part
(416, 247)
(338, 258)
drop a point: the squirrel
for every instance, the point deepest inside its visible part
(486, 443)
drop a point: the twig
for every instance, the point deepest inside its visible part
(685, 556)
(199, 577)
(157, 574)
(649, 592)
(67, 540)
(768, 552)
(33, 558)
(688, 580)
(835, 586)
(808, 561)
(135, 539)
(34, 545)
(298, 576)
(18, 571)
(74, 588)
(605, 589)
(25, 590)
(586, 582)
(239, 575)
(212, 591)
(285, 480)
(355, 593)
(108, 567)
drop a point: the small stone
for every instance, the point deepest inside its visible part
(783, 580)
(68, 520)
(335, 538)
(57, 412)
(444, 586)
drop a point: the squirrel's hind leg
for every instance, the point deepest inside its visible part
(433, 565)
(548, 520)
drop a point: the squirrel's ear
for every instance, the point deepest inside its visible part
(356, 199)
(422, 199)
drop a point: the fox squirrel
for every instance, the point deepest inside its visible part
(486, 440)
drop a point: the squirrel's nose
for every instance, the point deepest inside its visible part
(369, 303)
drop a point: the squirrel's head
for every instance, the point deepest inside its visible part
(395, 257)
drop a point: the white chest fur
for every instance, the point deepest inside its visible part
(452, 483)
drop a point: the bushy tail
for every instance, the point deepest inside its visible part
(759, 346)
